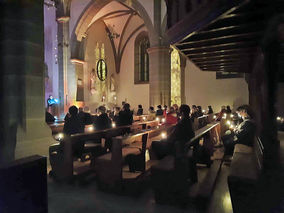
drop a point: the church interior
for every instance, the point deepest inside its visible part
(176, 67)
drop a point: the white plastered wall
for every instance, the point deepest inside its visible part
(202, 88)
(134, 94)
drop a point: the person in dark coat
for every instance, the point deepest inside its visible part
(102, 121)
(140, 110)
(73, 124)
(210, 110)
(49, 118)
(181, 133)
(159, 111)
(125, 116)
(244, 133)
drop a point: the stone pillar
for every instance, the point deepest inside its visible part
(160, 75)
(23, 128)
(63, 43)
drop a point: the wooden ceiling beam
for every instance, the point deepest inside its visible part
(220, 47)
(221, 57)
(221, 52)
(222, 40)
(222, 61)
(225, 31)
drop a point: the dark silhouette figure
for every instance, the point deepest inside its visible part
(102, 121)
(73, 124)
(140, 110)
(159, 111)
(125, 116)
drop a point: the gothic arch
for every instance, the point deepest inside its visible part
(89, 12)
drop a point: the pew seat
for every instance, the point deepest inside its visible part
(172, 175)
(245, 170)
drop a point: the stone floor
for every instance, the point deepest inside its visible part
(86, 198)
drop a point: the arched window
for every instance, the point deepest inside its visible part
(141, 71)
(175, 78)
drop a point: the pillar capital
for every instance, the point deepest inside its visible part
(166, 49)
(63, 19)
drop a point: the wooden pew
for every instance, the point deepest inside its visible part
(169, 176)
(64, 155)
(111, 169)
(200, 122)
(245, 170)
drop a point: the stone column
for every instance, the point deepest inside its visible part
(160, 75)
(23, 128)
(63, 43)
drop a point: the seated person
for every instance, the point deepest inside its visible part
(193, 112)
(165, 110)
(221, 113)
(171, 117)
(49, 117)
(102, 121)
(228, 110)
(73, 124)
(181, 133)
(199, 111)
(159, 111)
(244, 133)
(125, 116)
(210, 110)
(152, 114)
(140, 110)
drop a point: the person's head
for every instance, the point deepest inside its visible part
(151, 109)
(117, 109)
(159, 107)
(80, 109)
(228, 107)
(172, 110)
(102, 109)
(139, 106)
(73, 110)
(175, 106)
(165, 107)
(184, 110)
(122, 103)
(50, 96)
(199, 108)
(210, 107)
(245, 111)
(126, 107)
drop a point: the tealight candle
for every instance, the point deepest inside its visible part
(163, 120)
(164, 135)
(113, 125)
(91, 128)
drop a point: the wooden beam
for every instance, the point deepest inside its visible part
(220, 47)
(225, 31)
(221, 52)
(221, 57)
(222, 61)
(222, 39)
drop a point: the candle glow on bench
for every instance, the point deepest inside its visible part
(113, 125)
(91, 128)
(164, 135)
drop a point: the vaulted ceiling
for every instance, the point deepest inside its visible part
(229, 42)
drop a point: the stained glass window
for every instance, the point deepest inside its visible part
(175, 78)
(141, 58)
